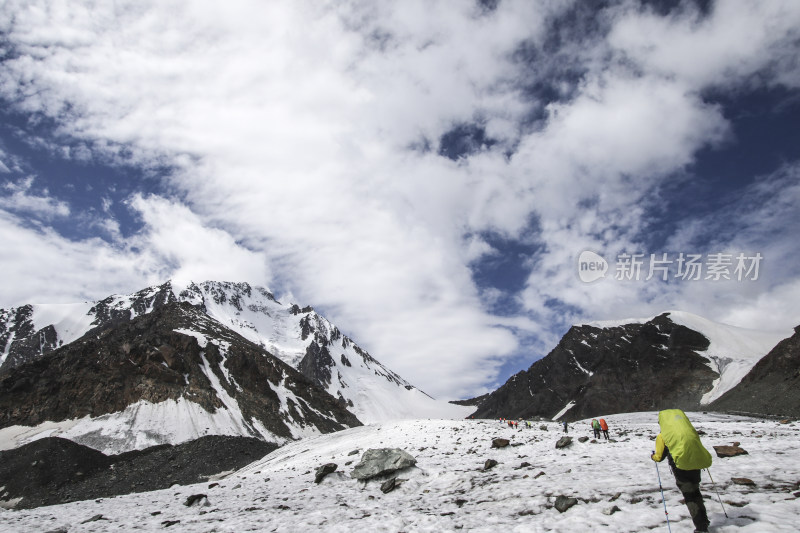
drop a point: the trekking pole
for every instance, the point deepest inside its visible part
(717, 491)
(662, 496)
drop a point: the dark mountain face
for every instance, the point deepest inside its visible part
(772, 387)
(300, 337)
(635, 367)
(157, 357)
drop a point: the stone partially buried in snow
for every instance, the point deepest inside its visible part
(380, 461)
(323, 471)
(729, 451)
(563, 503)
(563, 442)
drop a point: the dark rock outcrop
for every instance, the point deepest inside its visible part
(53, 470)
(634, 367)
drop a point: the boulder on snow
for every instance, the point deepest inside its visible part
(379, 461)
(500, 443)
(583, 439)
(323, 471)
(563, 442)
(199, 500)
(490, 463)
(729, 451)
(563, 503)
(389, 485)
(742, 481)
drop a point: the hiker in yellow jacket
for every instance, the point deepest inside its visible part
(680, 444)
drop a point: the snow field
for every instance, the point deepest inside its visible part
(449, 491)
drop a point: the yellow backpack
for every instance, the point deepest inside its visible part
(682, 440)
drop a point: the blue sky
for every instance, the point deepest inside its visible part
(424, 173)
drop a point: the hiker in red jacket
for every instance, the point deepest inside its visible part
(604, 427)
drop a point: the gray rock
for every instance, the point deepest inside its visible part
(323, 471)
(95, 518)
(490, 463)
(583, 439)
(611, 510)
(563, 503)
(380, 461)
(199, 500)
(389, 485)
(563, 442)
(499, 443)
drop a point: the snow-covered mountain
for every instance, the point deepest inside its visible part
(732, 351)
(169, 376)
(673, 360)
(300, 337)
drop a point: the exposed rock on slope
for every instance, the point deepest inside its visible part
(168, 376)
(592, 371)
(298, 336)
(772, 387)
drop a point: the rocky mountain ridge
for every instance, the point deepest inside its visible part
(629, 366)
(167, 376)
(299, 336)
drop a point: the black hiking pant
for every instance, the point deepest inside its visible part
(605, 433)
(689, 484)
(596, 433)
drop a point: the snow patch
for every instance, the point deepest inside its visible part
(566, 408)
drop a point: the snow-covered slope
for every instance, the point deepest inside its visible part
(298, 336)
(732, 352)
(615, 484)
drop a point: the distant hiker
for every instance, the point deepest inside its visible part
(596, 428)
(565, 426)
(680, 444)
(604, 427)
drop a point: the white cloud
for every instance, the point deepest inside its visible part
(738, 39)
(20, 198)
